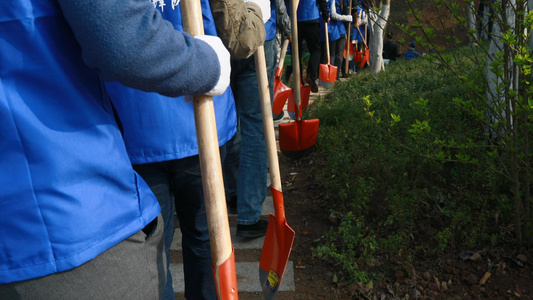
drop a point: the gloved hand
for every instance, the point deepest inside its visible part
(224, 61)
(265, 8)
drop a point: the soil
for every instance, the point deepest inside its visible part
(498, 273)
(503, 272)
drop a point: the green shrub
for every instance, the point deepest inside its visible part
(396, 150)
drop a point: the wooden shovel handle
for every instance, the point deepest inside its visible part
(327, 41)
(211, 168)
(283, 53)
(268, 122)
(295, 58)
(348, 42)
(364, 39)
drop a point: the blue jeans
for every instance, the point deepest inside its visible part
(251, 166)
(177, 184)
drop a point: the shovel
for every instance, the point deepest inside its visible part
(348, 50)
(327, 74)
(281, 91)
(279, 236)
(366, 57)
(215, 201)
(296, 139)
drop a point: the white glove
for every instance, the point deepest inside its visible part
(265, 8)
(224, 61)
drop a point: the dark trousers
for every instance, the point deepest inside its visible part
(309, 31)
(336, 50)
(177, 184)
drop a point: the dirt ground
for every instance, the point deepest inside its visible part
(497, 273)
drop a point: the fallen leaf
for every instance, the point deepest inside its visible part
(484, 278)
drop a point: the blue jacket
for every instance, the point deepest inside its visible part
(270, 25)
(308, 10)
(68, 191)
(159, 128)
(336, 28)
(411, 54)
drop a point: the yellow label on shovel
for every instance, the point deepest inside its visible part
(273, 279)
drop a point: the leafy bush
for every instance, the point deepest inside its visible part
(397, 150)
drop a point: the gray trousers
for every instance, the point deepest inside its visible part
(133, 269)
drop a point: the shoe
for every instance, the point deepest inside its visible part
(252, 231)
(279, 117)
(314, 86)
(232, 205)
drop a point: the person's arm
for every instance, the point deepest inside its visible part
(283, 22)
(128, 41)
(323, 7)
(338, 17)
(239, 25)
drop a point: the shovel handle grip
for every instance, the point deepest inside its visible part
(211, 167)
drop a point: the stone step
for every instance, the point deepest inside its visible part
(238, 243)
(247, 277)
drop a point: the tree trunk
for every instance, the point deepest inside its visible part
(495, 94)
(376, 46)
(472, 23)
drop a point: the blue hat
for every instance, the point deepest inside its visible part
(412, 44)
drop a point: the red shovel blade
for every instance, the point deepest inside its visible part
(227, 278)
(351, 50)
(298, 136)
(305, 93)
(365, 58)
(276, 250)
(281, 94)
(327, 73)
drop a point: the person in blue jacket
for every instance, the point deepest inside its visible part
(76, 221)
(360, 23)
(245, 166)
(336, 34)
(411, 53)
(309, 30)
(160, 137)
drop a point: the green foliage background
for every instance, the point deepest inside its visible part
(407, 167)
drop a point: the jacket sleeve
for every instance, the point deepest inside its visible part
(323, 7)
(283, 21)
(338, 17)
(239, 25)
(129, 42)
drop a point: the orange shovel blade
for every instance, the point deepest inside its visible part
(281, 94)
(365, 58)
(276, 251)
(305, 93)
(327, 73)
(227, 278)
(298, 135)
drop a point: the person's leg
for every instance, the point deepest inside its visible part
(230, 167)
(313, 44)
(339, 49)
(158, 179)
(309, 33)
(192, 216)
(252, 175)
(133, 269)
(271, 58)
